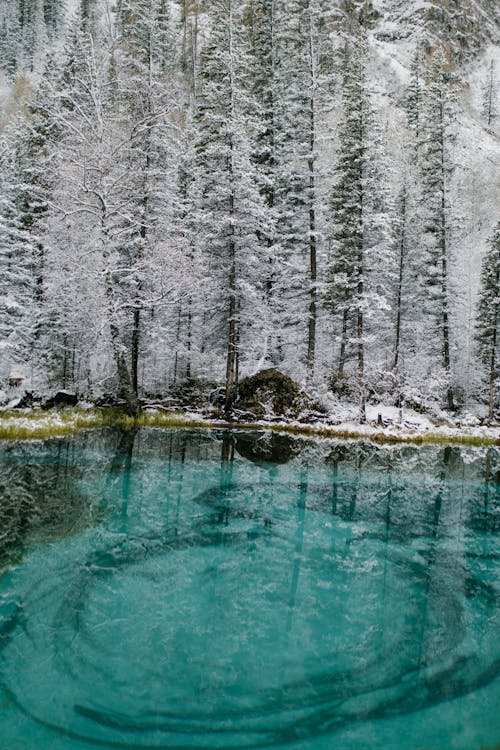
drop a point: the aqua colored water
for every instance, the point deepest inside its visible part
(209, 590)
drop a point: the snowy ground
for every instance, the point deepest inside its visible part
(389, 422)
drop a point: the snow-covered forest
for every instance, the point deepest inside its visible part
(200, 189)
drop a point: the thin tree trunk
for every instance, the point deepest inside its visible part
(39, 257)
(65, 361)
(136, 329)
(361, 368)
(360, 292)
(313, 274)
(177, 341)
(444, 271)
(232, 332)
(231, 336)
(189, 334)
(237, 356)
(402, 242)
(134, 366)
(489, 105)
(492, 373)
(343, 343)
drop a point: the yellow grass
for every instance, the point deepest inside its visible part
(40, 425)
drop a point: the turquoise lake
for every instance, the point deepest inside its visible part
(215, 589)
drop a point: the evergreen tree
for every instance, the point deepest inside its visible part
(88, 16)
(490, 96)
(147, 94)
(29, 184)
(229, 205)
(15, 271)
(487, 317)
(262, 29)
(300, 98)
(436, 164)
(414, 95)
(362, 261)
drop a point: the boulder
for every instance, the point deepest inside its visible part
(61, 399)
(271, 393)
(25, 401)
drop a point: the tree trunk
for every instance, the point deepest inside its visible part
(124, 379)
(491, 406)
(343, 342)
(231, 335)
(361, 369)
(189, 337)
(232, 328)
(126, 389)
(395, 364)
(136, 329)
(39, 263)
(444, 271)
(311, 339)
(134, 365)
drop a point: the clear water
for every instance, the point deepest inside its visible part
(215, 590)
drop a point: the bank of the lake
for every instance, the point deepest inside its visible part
(37, 424)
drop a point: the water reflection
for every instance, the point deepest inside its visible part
(244, 590)
(39, 497)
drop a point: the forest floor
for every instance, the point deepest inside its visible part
(384, 425)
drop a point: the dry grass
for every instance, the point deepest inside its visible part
(40, 425)
(414, 438)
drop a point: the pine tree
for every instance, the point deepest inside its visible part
(414, 95)
(262, 28)
(362, 261)
(487, 317)
(437, 137)
(190, 13)
(15, 270)
(29, 188)
(88, 16)
(229, 205)
(490, 95)
(145, 96)
(299, 100)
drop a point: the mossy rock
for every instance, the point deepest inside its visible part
(271, 392)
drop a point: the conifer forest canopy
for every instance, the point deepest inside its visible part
(202, 189)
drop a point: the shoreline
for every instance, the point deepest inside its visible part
(42, 425)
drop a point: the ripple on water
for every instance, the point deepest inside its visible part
(259, 619)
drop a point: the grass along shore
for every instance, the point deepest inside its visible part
(40, 425)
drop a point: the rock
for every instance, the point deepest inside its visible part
(270, 392)
(61, 398)
(22, 402)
